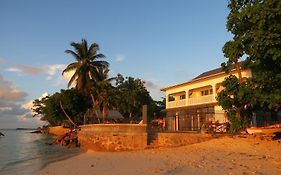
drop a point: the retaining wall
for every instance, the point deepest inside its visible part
(58, 130)
(113, 137)
(178, 139)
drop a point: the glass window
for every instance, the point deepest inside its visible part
(182, 97)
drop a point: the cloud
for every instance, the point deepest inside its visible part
(154, 90)
(12, 112)
(30, 70)
(53, 70)
(120, 57)
(9, 92)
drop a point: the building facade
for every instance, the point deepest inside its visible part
(192, 104)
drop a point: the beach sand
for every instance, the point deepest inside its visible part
(224, 155)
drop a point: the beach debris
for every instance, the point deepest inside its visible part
(69, 139)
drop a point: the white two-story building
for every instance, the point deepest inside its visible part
(191, 104)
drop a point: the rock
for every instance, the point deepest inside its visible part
(69, 139)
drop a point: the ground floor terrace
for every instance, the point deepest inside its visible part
(193, 118)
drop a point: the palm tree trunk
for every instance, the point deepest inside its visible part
(94, 107)
(75, 126)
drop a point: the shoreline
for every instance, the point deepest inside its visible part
(224, 155)
(70, 155)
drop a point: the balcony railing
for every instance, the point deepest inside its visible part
(191, 101)
(201, 100)
(179, 103)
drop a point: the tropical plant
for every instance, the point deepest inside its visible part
(102, 91)
(255, 25)
(130, 95)
(86, 66)
(55, 107)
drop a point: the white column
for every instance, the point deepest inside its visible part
(214, 92)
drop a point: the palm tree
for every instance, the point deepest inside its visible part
(102, 90)
(86, 66)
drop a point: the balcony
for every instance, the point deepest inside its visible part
(176, 104)
(201, 100)
(191, 101)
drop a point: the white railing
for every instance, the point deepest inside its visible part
(201, 100)
(174, 104)
(191, 101)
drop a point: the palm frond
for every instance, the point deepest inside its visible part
(73, 79)
(70, 67)
(103, 64)
(74, 54)
(93, 49)
(97, 56)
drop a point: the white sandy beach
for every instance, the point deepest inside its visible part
(218, 156)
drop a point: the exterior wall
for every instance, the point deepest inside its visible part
(200, 94)
(196, 86)
(179, 139)
(58, 130)
(113, 137)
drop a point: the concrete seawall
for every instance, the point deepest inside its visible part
(113, 137)
(178, 139)
(58, 130)
(128, 137)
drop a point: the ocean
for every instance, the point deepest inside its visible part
(25, 153)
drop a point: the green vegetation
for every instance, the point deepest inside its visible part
(49, 107)
(256, 29)
(94, 93)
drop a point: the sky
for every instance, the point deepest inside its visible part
(162, 42)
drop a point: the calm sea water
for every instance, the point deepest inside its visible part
(24, 153)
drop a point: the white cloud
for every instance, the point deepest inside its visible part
(154, 90)
(4, 109)
(120, 57)
(30, 70)
(54, 70)
(12, 112)
(8, 92)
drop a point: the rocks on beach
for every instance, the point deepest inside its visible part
(69, 139)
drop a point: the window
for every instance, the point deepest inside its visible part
(207, 92)
(171, 98)
(182, 97)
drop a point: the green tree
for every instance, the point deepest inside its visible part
(256, 26)
(103, 91)
(256, 29)
(237, 97)
(130, 95)
(49, 107)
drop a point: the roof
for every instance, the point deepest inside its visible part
(208, 73)
(199, 77)
(113, 114)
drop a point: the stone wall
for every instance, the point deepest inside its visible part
(58, 130)
(113, 137)
(178, 139)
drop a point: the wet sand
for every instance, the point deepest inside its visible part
(224, 155)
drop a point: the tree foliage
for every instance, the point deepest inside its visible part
(86, 67)
(94, 91)
(236, 97)
(49, 107)
(130, 95)
(256, 29)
